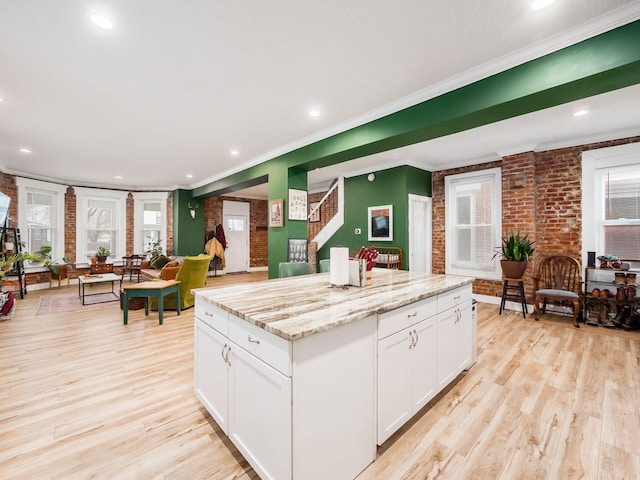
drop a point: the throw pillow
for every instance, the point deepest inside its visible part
(159, 262)
(172, 263)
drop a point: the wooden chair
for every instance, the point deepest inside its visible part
(132, 265)
(558, 281)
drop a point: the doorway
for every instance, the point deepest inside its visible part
(236, 226)
(419, 233)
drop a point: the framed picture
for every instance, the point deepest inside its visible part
(297, 205)
(315, 217)
(381, 223)
(297, 251)
(275, 213)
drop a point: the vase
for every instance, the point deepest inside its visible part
(513, 269)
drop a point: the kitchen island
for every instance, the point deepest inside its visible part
(306, 380)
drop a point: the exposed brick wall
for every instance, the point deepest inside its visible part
(258, 231)
(70, 222)
(129, 244)
(541, 196)
(328, 209)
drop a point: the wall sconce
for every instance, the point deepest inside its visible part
(371, 177)
(192, 210)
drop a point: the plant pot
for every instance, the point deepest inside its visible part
(101, 259)
(513, 269)
(62, 271)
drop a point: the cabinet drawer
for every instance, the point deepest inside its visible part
(403, 317)
(213, 316)
(455, 297)
(269, 348)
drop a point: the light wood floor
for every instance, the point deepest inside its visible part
(83, 396)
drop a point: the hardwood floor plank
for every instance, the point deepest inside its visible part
(85, 396)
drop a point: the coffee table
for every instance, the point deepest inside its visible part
(94, 280)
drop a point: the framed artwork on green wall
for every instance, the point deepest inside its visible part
(275, 213)
(380, 223)
(297, 204)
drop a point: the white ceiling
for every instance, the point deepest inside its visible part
(177, 85)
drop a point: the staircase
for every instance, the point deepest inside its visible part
(331, 215)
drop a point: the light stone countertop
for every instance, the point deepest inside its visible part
(300, 306)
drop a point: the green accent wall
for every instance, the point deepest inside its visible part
(188, 233)
(390, 187)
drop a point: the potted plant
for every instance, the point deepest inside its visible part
(154, 249)
(59, 268)
(515, 251)
(102, 254)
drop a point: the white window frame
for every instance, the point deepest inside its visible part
(139, 199)
(450, 181)
(594, 163)
(83, 195)
(25, 186)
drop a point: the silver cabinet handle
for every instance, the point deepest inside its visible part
(416, 334)
(223, 354)
(409, 315)
(252, 340)
(208, 314)
(457, 297)
(226, 357)
(411, 344)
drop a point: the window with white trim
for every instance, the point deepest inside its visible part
(618, 210)
(41, 216)
(473, 226)
(101, 222)
(611, 201)
(150, 220)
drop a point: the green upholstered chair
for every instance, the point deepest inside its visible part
(324, 265)
(192, 274)
(291, 269)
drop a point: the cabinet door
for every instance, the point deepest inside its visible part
(394, 403)
(422, 364)
(211, 372)
(260, 414)
(454, 342)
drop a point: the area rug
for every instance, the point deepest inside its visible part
(72, 303)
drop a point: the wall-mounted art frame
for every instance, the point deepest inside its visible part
(380, 223)
(315, 216)
(276, 218)
(297, 204)
(297, 250)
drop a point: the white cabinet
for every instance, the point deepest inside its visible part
(421, 348)
(211, 372)
(406, 375)
(454, 337)
(260, 409)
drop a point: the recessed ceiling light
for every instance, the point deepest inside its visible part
(314, 113)
(118, 177)
(101, 21)
(1, 100)
(189, 175)
(235, 152)
(25, 150)
(580, 113)
(540, 4)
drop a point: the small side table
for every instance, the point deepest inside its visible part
(513, 289)
(150, 289)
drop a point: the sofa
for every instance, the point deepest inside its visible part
(191, 272)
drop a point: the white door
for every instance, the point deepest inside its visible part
(236, 256)
(419, 233)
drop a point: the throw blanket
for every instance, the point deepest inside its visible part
(214, 249)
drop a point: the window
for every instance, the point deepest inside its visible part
(611, 201)
(473, 223)
(100, 222)
(618, 192)
(150, 220)
(41, 216)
